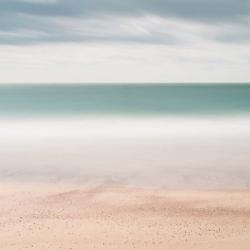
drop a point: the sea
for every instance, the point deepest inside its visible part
(168, 135)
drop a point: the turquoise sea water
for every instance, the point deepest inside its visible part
(72, 99)
(168, 135)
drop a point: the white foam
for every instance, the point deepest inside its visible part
(123, 127)
(153, 150)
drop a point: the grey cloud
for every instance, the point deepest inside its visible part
(51, 30)
(236, 34)
(212, 10)
(37, 8)
(39, 17)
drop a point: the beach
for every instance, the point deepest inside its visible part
(111, 216)
(147, 167)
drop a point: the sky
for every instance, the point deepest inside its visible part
(132, 41)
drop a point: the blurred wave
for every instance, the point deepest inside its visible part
(163, 151)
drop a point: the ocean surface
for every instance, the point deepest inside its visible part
(134, 100)
(182, 135)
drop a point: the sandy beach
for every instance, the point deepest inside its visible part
(62, 216)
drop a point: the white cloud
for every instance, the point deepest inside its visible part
(206, 62)
(163, 50)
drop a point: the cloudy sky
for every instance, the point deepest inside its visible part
(124, 41)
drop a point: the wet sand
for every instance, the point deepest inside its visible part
(119, 217)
